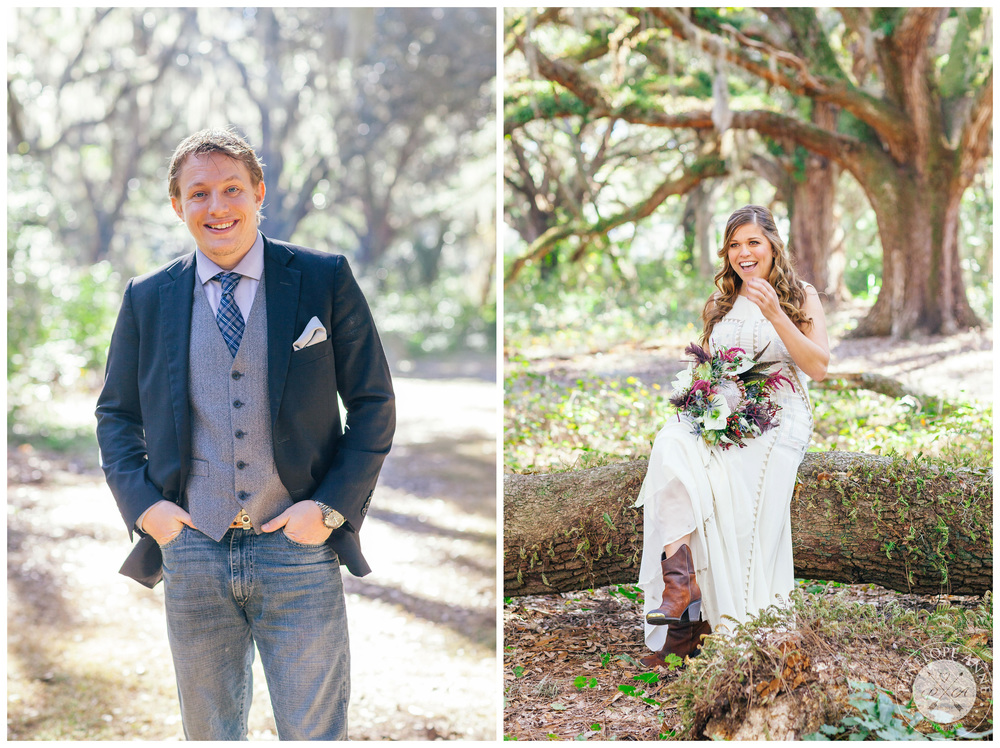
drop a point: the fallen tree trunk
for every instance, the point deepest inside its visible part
(883, 385)
(868, 381)
(911, 526)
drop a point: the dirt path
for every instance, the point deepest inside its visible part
(87, 651)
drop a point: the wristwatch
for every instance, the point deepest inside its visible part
(331, 517)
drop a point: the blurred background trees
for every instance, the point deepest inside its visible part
(376, 127)
(631, 134)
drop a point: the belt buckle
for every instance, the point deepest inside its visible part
(243, 520)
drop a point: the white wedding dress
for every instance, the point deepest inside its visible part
(734, 501)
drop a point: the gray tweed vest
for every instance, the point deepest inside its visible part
(232, 460)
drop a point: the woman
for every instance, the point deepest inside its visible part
(717, 529)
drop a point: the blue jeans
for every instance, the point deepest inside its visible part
(285, 596)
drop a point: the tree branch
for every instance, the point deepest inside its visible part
(527, 186)
(99, 16)
(301, 205)
(850, 153)
(911, 38)
(519, 111)
(808, 38)
(886, 120)
(566, 74)
(976, 138)
(704, 168)
(520, 25)
(917, 26)
(14, 114)
(859, 22)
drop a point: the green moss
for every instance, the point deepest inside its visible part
(542, 104)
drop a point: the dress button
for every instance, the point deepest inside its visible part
(240, 433)
(241, 464)
(236, 375)
(237, 403)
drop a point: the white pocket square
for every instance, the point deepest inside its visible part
(313, 334)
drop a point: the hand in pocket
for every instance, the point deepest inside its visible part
(164, 521)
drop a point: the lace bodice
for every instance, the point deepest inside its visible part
(745, 326)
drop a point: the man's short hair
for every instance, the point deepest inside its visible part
(214, 140)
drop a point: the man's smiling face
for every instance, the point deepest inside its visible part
(218, 203)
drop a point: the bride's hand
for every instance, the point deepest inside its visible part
(809, 349)
(761, 293)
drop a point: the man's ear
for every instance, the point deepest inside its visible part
(260, 190)
(176, 205)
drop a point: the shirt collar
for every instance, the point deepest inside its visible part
(251, 266)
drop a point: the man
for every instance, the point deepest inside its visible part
(222, 443)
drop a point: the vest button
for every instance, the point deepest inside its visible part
(236, 375)
(237, 403)
(241, 464)
(243, 496)
(240, 433)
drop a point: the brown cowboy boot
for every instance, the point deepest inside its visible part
(683, 640)
(681, 594)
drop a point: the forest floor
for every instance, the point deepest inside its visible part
(570, 660)
(87, 648)
(571, 669)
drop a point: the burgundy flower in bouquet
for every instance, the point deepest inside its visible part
(727, 395)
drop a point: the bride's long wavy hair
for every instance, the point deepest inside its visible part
(782, 278)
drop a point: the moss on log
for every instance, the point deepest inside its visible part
(911, 526)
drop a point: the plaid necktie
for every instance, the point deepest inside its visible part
(229, 318)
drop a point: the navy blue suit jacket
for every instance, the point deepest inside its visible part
(143, 414)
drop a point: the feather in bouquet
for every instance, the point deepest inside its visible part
(727, 395)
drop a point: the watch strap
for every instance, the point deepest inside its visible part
(331, 517)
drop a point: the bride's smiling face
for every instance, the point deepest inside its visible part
(750, 253)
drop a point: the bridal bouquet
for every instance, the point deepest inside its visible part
(727, 396)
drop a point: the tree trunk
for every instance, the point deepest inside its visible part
(698, 221)
(812, 222)
(922, 286)
(704, 239)
(909, 526)
(811, 210)
(917, 201)
(864, 380)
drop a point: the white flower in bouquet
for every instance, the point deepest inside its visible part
(717, 413)
(726, 382)
(682, 382)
